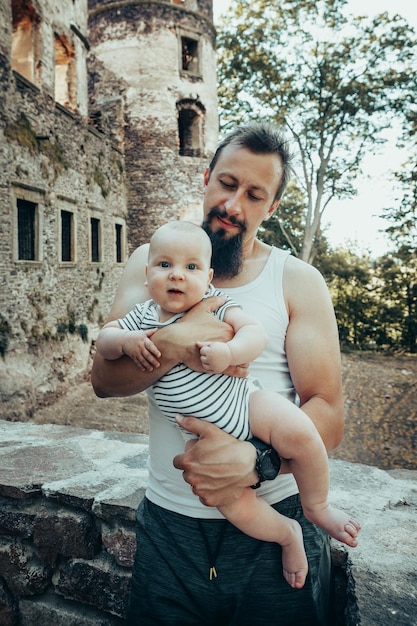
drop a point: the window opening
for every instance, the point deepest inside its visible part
(67, 236)
(190, 127)
(189, 57)
(119, 243)
(24, 39)
(65, 92)
(95, 239)
(26, 230)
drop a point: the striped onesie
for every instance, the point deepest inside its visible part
(220, 399)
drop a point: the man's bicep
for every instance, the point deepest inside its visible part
(313, 354)
(312, 342)
(314, 357)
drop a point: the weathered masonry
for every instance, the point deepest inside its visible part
(67, 508)
(162, 54)
(108, 116)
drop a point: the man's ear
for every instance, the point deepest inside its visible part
(272, 209)
(206, 176)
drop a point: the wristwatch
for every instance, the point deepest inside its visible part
(267, 463)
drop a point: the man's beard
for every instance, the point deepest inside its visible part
(227, 257)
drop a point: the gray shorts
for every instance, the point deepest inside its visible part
(171, 583)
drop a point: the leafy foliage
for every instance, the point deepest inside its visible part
(403, 216)
(333, 81)
(375, 301)
(284, 228)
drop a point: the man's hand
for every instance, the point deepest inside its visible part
(216, 465)
(198, 324)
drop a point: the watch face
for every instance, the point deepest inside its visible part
(269, 464)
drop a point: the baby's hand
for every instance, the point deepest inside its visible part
(139, 347)
(215, 356)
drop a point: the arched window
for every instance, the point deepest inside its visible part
(191, 127)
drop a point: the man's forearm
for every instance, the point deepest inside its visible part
(328, 419)
(121, 377)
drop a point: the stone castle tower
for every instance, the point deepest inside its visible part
(108, 116)
(155, 84)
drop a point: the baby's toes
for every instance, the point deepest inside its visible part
(352, 527)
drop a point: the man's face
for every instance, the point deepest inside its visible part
(239, 196)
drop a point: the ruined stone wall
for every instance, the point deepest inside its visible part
(91, 125)
(141, 43)
(50, 157)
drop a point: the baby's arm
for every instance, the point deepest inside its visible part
(114, 341)
(248, 342)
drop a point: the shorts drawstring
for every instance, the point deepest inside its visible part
(212, 556)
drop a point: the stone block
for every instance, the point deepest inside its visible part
(22, 570)
(8, 606)
(55, 610)
(123, 505)
(120, 543)
(15, 520)
(68, 533)
(381, 571)
(96, 583)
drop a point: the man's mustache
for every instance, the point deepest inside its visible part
(216, 212)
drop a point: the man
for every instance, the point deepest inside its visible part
(193, 567)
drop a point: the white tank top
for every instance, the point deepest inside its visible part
(166, 486)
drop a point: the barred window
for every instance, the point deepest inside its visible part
(119, 243)
(26, 230)
(67, 236)
(95, 239)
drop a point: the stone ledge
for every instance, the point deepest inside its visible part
(90, 469)
(382, 570)
(68, 474)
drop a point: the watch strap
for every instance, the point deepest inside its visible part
(260, 447)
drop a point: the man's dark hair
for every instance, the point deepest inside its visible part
(260, 138)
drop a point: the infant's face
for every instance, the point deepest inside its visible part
(178, 273)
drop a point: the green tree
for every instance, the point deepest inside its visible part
(375, 300)
(398, 296)
(400, 267)
(403, 214)
(332, 80)
(350, 279)
(284, 228)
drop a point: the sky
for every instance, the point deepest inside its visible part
(355, 223)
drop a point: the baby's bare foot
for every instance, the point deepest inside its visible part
(294, 560)
(338, 524)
